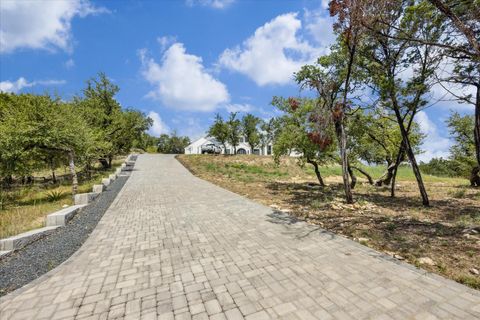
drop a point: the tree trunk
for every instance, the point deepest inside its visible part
(477, 125)
(343, 154)
(110, 159)
(411, 157)
(365, 173)
(352, 176)
(52, 168)
(317, 172)
(71, 164)
(104, 163)
(387, 177)
(475, 176)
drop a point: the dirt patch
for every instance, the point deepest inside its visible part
(448, 232)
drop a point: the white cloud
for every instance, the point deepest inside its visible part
(435, 145)
(236, 107)
(16, 86)
(166, 41)
(273, 53)
(40, 24)
(190, 127)
(158, 126)
(69, 64)
(320, 27)
(181, 81)
(217, 4)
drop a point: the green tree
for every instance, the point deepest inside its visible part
(462, 153)
(328, 78)
(299, 132)
(36, 127)
(375, 138)
(103, 114)
(386, 58)
(268, 132)
(219, 130)
(250, 125)
(173, 144)
(234, 131)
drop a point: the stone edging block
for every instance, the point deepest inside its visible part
(98, 188)
(85, 198)
(21, 240)
(60, 218)
(106, 181)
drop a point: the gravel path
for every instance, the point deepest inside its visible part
(36, 259)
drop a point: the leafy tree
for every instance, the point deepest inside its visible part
(440, 167)
(386, 59)
(103, 114)
(219, 130)
(38, 127)
(146, 142)
(462, 153)
(375, 138)
(268, 132)
(250, 125)
(234, 131)
(299, 131)
(327, 77)
(173, 143)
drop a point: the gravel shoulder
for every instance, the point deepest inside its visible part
(38, 258)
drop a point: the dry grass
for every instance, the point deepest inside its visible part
(27, 207)
(448, 232)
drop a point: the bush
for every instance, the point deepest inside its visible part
(54, 195)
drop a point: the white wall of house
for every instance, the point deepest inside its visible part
(243, 148)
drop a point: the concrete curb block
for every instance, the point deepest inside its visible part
(22, 239)
(60, 218)
(106, 181)
(98, 188)
(84, 198)
(4, 253)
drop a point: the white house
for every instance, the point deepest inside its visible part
(243, 148)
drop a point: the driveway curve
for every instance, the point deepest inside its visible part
(172, 246)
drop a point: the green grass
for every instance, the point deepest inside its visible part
(25, 208)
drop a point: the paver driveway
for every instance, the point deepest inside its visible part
(173, 246)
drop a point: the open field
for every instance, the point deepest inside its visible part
(448, 232)
(24, 208)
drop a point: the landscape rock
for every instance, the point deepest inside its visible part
(474, 271)
(426, 260)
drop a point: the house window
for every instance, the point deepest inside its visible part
(256, 151)
(269, 150)
(227, 151)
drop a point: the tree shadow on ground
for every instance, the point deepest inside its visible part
(316, 197)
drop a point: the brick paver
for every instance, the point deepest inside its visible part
(173, 246)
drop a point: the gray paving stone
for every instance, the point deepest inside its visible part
(173, 246)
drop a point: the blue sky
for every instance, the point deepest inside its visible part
(180, 61)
